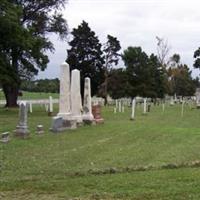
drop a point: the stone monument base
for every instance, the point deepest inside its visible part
(59, 124)
(78, 119)
(22, 131)
(99, 121)
(88, 119)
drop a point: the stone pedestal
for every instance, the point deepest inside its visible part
(96, 111)
(59, 125)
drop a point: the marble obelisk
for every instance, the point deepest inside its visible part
(76, 102)
(87, 103)
(64, 100)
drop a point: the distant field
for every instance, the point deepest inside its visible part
(157, 156)
(33, 95)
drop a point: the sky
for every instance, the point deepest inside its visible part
(134, 23)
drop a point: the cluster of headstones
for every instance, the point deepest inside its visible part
(71, 112)
(119, 107)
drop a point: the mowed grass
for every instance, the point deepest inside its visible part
(156, 156)
(32, 95)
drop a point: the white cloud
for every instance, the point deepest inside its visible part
(135, 23)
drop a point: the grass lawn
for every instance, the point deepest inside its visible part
(157, 156)
(33, 95)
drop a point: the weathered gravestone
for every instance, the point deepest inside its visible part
(88, 117)
(96, 111)
(22, 127)
(5, 137)
(40, 129)
(133, 109)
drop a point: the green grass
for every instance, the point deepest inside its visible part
(157, 156)
(32, 95)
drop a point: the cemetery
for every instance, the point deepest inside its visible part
(51, 150)
(99, 116)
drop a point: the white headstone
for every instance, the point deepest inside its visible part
(133, 109)
(182, 108)
(145, 106)
(50, 104)
(172, 101)
(64, 100)
(76, 102)
(163, 107)
(116, 104)
(87, 103)
(30, 107)
(120, 106)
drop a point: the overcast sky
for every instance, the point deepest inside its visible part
(134, 23)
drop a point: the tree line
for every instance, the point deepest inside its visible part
(142, 75)
(24, 42)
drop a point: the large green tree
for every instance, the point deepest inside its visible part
(145, 74)
(24, 28)
(86, 55)
(118, 83)
(159, 77)
(180, 81)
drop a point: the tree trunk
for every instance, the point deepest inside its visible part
(11, 95)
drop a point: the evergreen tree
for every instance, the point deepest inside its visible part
(181, 82)
(136, 62)
(111, 55)
(159, 76)
(146, 76)
(23, 40)
(86, 55)
(118, 84)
